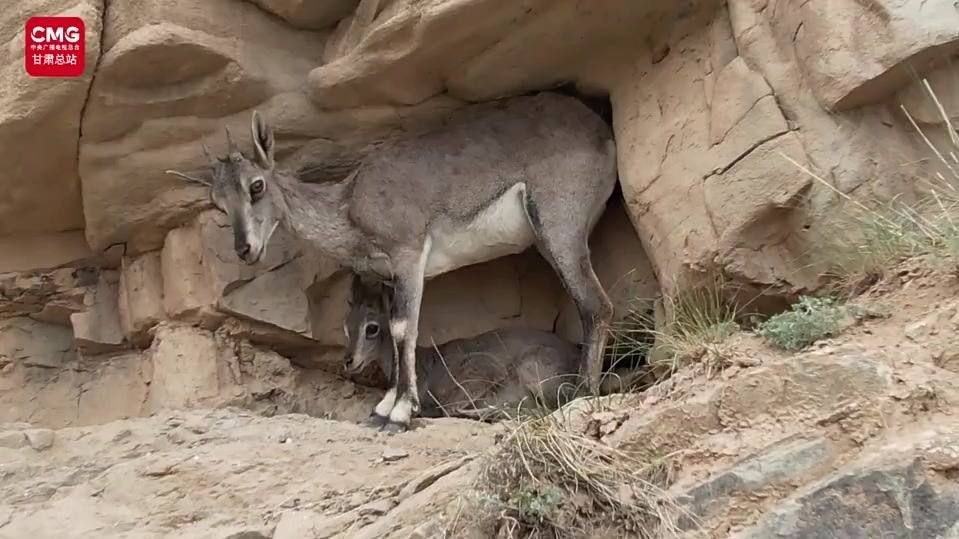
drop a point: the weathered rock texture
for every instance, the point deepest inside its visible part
(227, 474)
(721, 125)
(108, 263)
(853, 438)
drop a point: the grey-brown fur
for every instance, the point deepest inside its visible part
(495, 179)
(487, 376)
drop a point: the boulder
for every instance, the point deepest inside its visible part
(49, 296)
(803, 391)
(203, 281)
(899, 490)
(779, 465)
(857, 54)
(306, 14)
(732, 161)
(141, 297)
(189, 368)
(97, 330)
(406, 51)
(28, 342)
(196, 368)
(186, 291)
(277, 297)
(40, 125)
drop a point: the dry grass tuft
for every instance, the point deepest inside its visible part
(694, 323)
(872, 237)
(544, 479)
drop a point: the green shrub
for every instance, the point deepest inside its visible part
(806, 322)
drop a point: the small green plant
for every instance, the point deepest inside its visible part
(536, 504)
(809, 320)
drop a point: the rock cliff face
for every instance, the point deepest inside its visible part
(112, 264)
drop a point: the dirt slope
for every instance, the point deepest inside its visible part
(222, 474)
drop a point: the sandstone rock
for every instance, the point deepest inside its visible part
(35, 344)
(186, 292)
(249, 534)
(408, 514)
(296, 524)
(189, 369)
(328, 305)
(887, 493)
(40, 439)
(704, 202)
(224, 270)
(193, 367)
(308, 15)
(856, 54)
(520, 289)
(277, 298)
(427, 478)
(30, 252)
(431, 529)
(97, 330)
(47, 296)
(39, 126)
(65, 393)
(391, 454)
(300, 347)
(13, 439)
(791, 460)
(845, 149)
(185, 367)
(816, 384)
(203, 281)
(141, 296)
(407, 51)
(376, 508)
(714, 177)
(944, 81)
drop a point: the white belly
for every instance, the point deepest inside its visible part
(501, 229)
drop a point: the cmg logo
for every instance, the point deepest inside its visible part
(54, 46)
(55, 34)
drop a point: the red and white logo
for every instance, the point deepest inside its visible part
(55, 46)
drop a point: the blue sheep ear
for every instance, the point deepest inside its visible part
(263, 140)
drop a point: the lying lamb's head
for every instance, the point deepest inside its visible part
(367, 326)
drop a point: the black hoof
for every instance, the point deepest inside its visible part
(376, 420)
(393, 427)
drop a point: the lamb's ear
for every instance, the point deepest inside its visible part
(386, 298)
(356, 287)
(262, 140)
(202, 176)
